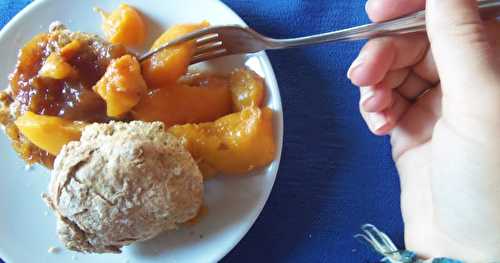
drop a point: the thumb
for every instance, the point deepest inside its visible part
(465, 58)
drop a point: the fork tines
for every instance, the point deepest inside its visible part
(209, 45)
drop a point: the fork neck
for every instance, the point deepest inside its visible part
(409, 24)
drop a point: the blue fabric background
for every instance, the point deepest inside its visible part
(334, 175)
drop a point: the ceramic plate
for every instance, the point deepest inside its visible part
(28, 228)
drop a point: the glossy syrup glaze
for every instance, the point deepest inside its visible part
(69, 98)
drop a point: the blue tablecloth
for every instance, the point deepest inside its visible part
(334, 175)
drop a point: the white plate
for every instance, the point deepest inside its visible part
(27, 228)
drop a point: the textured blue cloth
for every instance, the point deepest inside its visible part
(334, 175)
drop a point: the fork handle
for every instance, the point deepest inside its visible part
(408, 24)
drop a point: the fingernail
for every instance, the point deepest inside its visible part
(377, 120)
(369, 5)
(366, 93)
(356, 64)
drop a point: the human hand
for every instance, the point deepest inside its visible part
(440, 103)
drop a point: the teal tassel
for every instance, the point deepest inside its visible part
(384, 246)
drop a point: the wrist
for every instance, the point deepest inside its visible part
(435, 250)
(433, 243)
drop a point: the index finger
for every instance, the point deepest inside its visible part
(382, 10)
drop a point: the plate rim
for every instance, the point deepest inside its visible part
(268, 67)
(277, 105)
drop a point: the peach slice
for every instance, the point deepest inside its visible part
(234, 144)
(47, 132)
(122, 86)
(247, 89)
(124, 26)
(167, 66)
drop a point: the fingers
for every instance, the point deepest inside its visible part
(417, 126)
(413, 87)
(375, 99)
(381, 10)
(379, 97)
(383, 122)
(394, 79)
(381, 55)
(373, 62)
(426, 68)
(382, 106)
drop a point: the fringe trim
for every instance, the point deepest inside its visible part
(384, 246)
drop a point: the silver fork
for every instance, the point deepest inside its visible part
(218, 41)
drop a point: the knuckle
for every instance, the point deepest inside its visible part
(473, 33)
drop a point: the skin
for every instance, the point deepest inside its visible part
(438, 96)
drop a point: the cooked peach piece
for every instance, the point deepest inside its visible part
(167, 66)
(70, 50)
(56, 65)
(181, 104)
(247, 89)
(234, 144)
(47, 132)
(56, 68)
(124, 26)
(122, 86)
